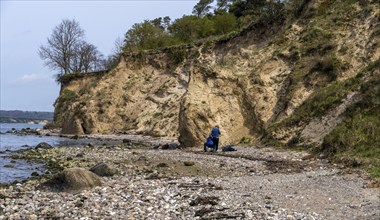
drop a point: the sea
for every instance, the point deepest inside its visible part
(12, 170)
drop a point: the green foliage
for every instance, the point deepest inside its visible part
(191, 28)
(224, 23)
(359, 135)
(147, 36)
(297, 7)
(66, 78)
(160, 33)
(67, 95)
(257, 8)
(157, 115)
(245, 140)
(375, 171)
(316, 41)
(202, 7)
(177, 54)
(322, 71)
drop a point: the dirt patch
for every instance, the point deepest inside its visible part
(285, 166)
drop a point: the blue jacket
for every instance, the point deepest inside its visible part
(215, 132)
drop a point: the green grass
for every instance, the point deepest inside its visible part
(358, 136)
(375, 171)
(67, 96)
(322, 101)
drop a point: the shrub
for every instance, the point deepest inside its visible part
(177, 54)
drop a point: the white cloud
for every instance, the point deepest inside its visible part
(35, 78)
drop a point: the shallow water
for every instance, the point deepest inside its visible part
(18, 170)
(16, 142)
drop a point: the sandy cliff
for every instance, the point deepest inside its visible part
(245, 82)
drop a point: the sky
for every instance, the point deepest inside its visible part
(25, 83)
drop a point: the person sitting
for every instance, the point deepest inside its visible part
(208, 144)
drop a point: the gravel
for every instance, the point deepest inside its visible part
(250, 183)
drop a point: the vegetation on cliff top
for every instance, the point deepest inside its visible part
(228, 16)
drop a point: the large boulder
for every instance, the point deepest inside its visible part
(102, 169)
(74, 179)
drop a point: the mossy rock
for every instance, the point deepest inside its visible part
(73, 179)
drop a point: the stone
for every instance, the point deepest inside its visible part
(80, 154)
(43, 145)
(162, 165)
(9, 166)
(126, 141)
(73, 179)
(103, 169)
(188, 163)
(35, 174)
(169, 146)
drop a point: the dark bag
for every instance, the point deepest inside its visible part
(228, 148)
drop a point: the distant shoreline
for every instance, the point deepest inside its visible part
(26, 117)
(23, 121)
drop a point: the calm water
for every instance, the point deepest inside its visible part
(21, 170)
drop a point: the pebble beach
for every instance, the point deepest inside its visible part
(155, 183)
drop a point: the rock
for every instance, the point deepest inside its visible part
(43, 145)
(203, 211)
(188, 163)
(126, 141)
(35, 174)
(75, 137)
(162, 165)
(154, 176)
(141, 158)
(73, 179)
(102, 169)
(169, 146)
(208, 200)
(9, 166)
(80, 154)
(269, 206)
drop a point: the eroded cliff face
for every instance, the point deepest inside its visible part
(244, 84)
(141, 95)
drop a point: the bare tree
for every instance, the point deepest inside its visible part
(86, 59)
(113, 59)
(66, 50)
(118, 46)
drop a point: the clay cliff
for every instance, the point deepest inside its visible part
(251, 83)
